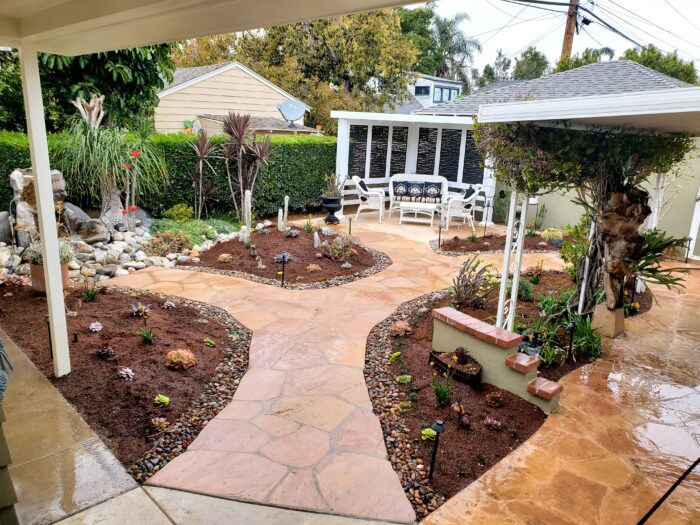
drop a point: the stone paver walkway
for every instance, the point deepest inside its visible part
(300, 431)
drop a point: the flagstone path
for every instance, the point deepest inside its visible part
(300, 431)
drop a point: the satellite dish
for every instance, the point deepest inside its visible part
(196, 126)
(291, 110)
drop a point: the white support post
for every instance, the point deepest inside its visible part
(489, 189)
(342, 155)
(39, 149)
(586, 269)
(506, 259)
(248, 209)
(518, 263)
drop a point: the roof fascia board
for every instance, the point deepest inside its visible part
(411, 118)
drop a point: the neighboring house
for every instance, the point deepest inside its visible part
(439, 140)
(429, 91)
(207, 94)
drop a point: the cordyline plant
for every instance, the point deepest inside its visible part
(203, 149)
(606, 168)
(247, 152)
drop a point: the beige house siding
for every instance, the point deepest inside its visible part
(676, 221)
(230, 90)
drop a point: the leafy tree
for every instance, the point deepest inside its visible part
(667, 63)
(129, 78)
(357, 61)
(531, 64)
(607, 169)
(589, 56)
(500, 70)
(205, 51)
(416, 24)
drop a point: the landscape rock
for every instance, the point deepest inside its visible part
(23, 269)
(140, 255)
(120, 272)
(73, 265)
(5, 229)
(100, 256)
(5, 254)
(81, 225)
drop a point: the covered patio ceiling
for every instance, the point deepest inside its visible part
(671, 110)
(75, 27)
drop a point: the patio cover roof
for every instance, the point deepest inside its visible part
(671, 110)
(75, 27)
(412, 118)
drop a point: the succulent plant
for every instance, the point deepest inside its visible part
(161, 400)
(95, 327)
(462, 355)
(492, 423)
(126, 373)
(168, 305)
(395, 356)
(494, 399)
(141, 310)
(105, 352)
(209, 342)
(283, 257)
(327, 231)
(160, 424)
(292, 233)
(400, 329)
(403, 379)
(428, 434)
(180, 359)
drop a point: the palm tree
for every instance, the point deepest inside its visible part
(455, 49)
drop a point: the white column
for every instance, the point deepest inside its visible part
(39, 149)
(517, 265)
(412, 148)
(506, 259)
(342, 151)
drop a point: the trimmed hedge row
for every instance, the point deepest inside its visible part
(297, 167)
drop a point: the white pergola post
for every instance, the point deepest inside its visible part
(489, 189)
(39, 149)
(516, 266)
(506, 260)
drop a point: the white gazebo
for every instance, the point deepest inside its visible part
(375, 146)
(76, 27)
(670, 110)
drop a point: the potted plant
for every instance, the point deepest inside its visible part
(36, 263)
(332, 199)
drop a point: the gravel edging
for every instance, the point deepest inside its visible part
(381, 262)
(218, 393)
(440, 251)
(385, 395)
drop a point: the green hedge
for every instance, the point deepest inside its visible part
(297, 167)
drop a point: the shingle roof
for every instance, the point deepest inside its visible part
(185, 74)
(268, 124)
(405, 107)
(439, 79)
(603, 78)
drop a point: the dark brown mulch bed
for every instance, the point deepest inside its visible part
(302, 251)
(494, 242)
(119, 410)
(463, 454)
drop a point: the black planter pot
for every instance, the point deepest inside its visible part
(331, 205)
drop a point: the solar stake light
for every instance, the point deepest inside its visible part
(439, 428)
(349, 225)
(440, 235)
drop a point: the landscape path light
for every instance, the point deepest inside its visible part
(439, 428)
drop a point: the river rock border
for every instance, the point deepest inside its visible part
(385, 396)
(381, 262)
(218, 393)
(440, 251)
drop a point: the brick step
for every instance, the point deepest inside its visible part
(544, 388)
(522, 363)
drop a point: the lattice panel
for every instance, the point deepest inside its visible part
(378, 152)
(358, 151)
(473, 171)
(427, 143)
(449, 154)
(399, 141)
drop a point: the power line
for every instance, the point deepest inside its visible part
(536, 19)
(506, 12)
(506, 24)
(581, 8)
(682, 15)
(541, 37)
(592, 37)
(516, 2)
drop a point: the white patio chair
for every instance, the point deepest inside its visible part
(369, 199)
(460, 207)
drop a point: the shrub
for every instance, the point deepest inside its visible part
(222, 226)
(442, 389)
(164, 242)
(179, 213)
(180, 359)
(525, 291)
(32, 254)
(552, 234)
(339, 250)
(195, 232)
(473, 284)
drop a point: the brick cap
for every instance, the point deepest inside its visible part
(522, 362)
(479, 329)
(544, 388)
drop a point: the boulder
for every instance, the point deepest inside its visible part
(136, 265)
(82, 226)
(5, 229)
(124, 258)
(5, 255)
(74, 265)
(145, 218)
(119, 272)
(140, 255)
(100, 256)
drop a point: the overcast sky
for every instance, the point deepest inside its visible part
(651, 21)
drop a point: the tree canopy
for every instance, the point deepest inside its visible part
(530, 64)
(129, 79)
(667, 63)
(588, 56)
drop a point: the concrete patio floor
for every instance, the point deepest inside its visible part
(301, 434)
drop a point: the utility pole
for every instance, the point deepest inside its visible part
(569, 31)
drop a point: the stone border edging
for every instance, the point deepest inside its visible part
(381, 262)
(228, 373)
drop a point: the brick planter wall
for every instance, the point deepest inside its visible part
(496, 350)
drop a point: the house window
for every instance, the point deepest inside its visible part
(399, 141)
(378, 152)
(422, 91)
(449, 154)
(437, 94)
(427, 143)
(473, 171)
(358, 151)
(453, 94)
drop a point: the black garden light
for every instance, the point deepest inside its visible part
(75, 337)
(349, 225)
(283, 258)
(440, 235)
(439, 428)
(571, 327)
(48, 326)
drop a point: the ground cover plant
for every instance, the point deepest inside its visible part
(120, 383)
